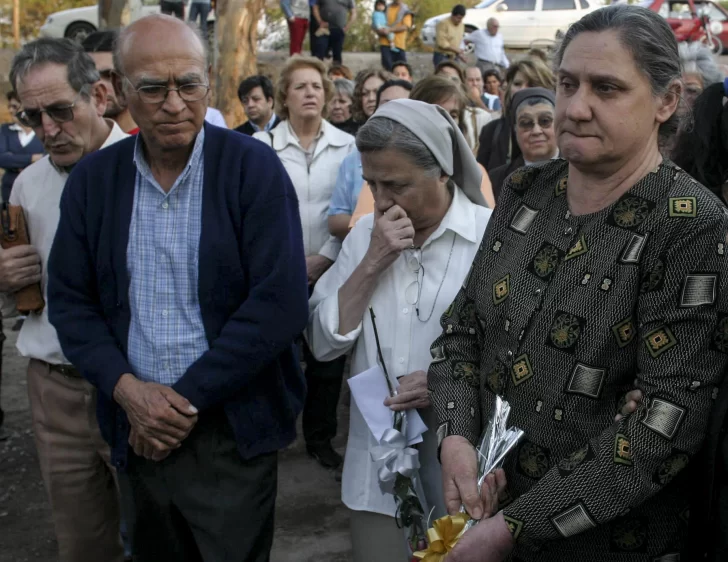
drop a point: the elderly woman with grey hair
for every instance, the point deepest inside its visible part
(700, 70)
(406, 261)
(340, 106)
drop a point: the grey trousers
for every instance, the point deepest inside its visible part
(376, 537)
(203, 502)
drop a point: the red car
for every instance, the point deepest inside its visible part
(701, 20)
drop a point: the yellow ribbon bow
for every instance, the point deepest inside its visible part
(442, 537)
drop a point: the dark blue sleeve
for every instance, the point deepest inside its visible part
(74, 303)
(275, 312)
(11, 160)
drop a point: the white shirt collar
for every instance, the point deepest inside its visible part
(268, 125)
(460, 219)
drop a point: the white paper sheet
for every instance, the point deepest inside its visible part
(369, 390)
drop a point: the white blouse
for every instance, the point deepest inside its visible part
(314, 177)
(446, 257)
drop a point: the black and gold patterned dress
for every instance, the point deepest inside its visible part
(560, 314)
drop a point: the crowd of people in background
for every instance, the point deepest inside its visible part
(492, 215)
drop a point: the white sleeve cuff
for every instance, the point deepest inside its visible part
(323, 331)
(331, 248)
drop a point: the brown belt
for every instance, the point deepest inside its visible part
(65, 370)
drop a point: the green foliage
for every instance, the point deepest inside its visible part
(33, 14)
(361, 37)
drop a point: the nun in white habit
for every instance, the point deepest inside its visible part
(407, 261)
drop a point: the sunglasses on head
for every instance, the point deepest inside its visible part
(33, 118)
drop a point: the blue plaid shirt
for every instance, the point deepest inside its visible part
(166, 334)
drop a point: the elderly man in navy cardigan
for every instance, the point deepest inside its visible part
(177, 286)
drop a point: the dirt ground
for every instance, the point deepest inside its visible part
(312, 525)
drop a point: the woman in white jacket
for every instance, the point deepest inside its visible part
(312, 150)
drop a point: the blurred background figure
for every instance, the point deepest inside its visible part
(296, 12)
(532, 113)
(349, 181)
(256, 95)
(19, 148)
(337, 71)
(200, 9)
(700, 70)
(100, 45)
(449, 35)
(702, 150)
(497, 145)
(333, 20)
(402, 71)
(476, 90)
(489, 49)
(367, 85)
(399, 22)
(452, 70)
(174, 8)
(450, 95)
(340, 106)
(492, 84)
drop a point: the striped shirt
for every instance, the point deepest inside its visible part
(166, 333)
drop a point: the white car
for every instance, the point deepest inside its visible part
(522, 22)
(77, 23)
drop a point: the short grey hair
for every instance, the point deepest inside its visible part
(344, 87)
(82, 70)
(122, 37)
(647, 36)
(530, 102)
(381, 133)
(696, 58)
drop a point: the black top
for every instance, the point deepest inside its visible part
(494, 142)
(247, 127)
(349, 126)
(499, 175)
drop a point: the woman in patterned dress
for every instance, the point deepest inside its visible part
(597, 269)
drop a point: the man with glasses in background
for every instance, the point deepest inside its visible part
(63, 100)
(100, 46)
(170, 276)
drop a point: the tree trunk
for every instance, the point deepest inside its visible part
(236, 38)
(16, 24)
(114, 14)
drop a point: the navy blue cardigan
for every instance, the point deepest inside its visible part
(252, 288)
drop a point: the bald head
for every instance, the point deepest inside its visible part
(164, 82)
(493, 26)
(151, 35)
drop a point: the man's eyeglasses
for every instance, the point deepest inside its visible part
(33, 118)
(157, 94)
(107, 73)
(545, 122)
